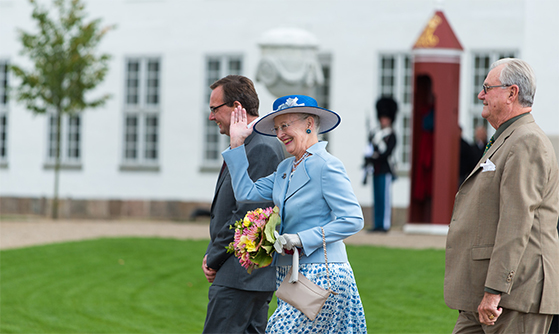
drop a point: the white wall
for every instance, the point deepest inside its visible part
(182, 33)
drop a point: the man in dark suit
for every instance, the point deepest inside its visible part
(480, 141)
(468, 159)
(238, 301)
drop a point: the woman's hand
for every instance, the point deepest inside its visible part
(286, 241)
(238, 130)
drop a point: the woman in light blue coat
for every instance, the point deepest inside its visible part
(312, 190)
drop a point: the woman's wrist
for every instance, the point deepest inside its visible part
(234, 143)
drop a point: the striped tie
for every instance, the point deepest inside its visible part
(491, 141)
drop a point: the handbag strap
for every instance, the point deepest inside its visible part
(295, 265)
(326, 261)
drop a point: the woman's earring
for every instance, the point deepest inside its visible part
(308, 131)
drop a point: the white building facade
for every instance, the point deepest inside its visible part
(153, 142)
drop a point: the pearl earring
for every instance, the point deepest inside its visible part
(308, 131)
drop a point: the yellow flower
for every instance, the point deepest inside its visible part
(246, 221)
(242, 241)
(251, 246)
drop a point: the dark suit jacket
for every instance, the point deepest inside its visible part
(478, 148)
(468, 159)
(381, 159)
(264, 154)
(503, 231)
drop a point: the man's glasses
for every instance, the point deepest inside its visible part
(486, 88)
(213, 109)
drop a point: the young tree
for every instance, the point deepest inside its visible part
(64, 66)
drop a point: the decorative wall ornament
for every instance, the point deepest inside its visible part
(428, 39)
(289, 63)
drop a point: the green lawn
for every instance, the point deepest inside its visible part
(140, 285)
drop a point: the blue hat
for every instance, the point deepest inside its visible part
(294, 104)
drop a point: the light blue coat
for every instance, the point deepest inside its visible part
(319, 194)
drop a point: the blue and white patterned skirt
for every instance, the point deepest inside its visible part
(342, 313)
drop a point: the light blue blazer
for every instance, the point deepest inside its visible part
(318, 194)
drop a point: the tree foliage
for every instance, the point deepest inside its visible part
(64, 64)
(64, 68)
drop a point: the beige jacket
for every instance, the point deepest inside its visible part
(503, 232)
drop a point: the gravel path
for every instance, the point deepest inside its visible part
(16, 233)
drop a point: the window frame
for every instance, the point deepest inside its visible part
(145, 107)
(4, 108)
(476, 79)
(214, 142)
(66, 142)
(399, 87)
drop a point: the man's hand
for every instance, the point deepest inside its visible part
(238, 130)
(209, 272)
(489, 309)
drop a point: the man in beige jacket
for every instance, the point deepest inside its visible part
(502, 251)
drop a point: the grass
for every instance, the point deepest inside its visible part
(402, 290)
(151, 285)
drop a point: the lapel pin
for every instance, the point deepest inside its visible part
(284, 176)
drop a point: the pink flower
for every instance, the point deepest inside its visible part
(253, 240)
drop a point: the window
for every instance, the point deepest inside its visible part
(481, 62)
(73, 138)
(70, 141)
(395, 80)
(141, 114)
(3, 113)
(217, 67)
(3, 85)
(3, 138)
(149, 139)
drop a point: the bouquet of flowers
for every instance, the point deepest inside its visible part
(254, 238)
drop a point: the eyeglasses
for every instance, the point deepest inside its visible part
(486, 88)
(283, 127)
(213, 109)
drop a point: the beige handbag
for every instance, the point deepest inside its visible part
(300, 292)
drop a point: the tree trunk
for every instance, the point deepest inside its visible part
(57, 164)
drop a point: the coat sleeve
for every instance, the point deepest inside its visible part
(525, 175)
(390, 145)
(217, 253)
(263, 160)
(346, 213)
(247, 189)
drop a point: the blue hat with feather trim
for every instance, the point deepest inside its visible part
(295, 104)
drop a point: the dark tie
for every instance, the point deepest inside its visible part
(222, 168)
(491, 141)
